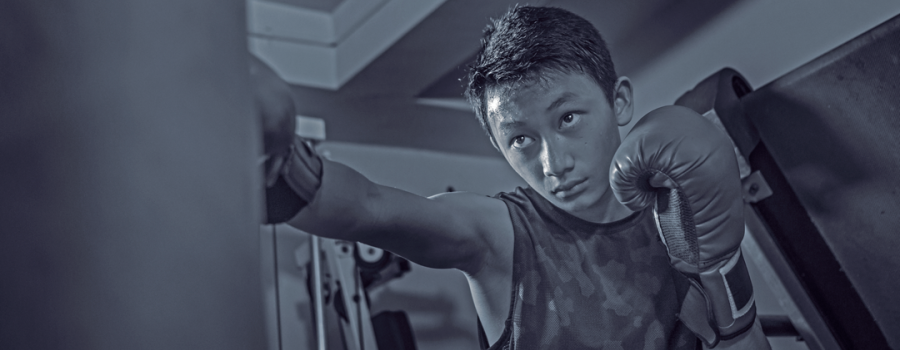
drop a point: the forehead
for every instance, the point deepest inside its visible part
(509, 100)
(520, 101)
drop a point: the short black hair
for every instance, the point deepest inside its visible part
(526, 43)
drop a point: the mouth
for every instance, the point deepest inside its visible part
(567, 189)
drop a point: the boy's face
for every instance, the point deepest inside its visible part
(560, 134)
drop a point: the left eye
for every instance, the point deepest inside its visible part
(567, 119)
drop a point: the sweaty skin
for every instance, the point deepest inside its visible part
(559, 134)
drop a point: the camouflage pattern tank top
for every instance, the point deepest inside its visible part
(581, 285)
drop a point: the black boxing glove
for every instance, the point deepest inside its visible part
(293, 170)
(679, 163)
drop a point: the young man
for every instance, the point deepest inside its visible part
(562, 264)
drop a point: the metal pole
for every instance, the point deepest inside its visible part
(318, 302)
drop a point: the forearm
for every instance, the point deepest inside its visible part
(342, 207)
(752, 339)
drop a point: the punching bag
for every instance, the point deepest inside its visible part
(129, 192)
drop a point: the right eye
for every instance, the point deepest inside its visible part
(520, 141)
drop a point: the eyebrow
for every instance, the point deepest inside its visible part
(559, 101)
(505, 127)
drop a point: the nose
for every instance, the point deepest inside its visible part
(554, 159)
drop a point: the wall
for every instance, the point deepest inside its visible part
(761, 39)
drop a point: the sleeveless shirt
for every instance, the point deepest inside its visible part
(582, 285)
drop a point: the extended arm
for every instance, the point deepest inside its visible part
(446, 231)
(458, 230)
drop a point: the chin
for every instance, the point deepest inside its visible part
(582, 202)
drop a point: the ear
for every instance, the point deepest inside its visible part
(494, 143)
(622, 101)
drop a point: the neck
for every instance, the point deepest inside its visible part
(607, 210)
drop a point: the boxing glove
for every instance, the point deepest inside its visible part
(678, 162)
(292, 168)
(273, 106)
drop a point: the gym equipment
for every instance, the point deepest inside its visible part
(321, 293)
(355, 268)
(822, 198)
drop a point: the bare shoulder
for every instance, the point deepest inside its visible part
(494, 227)
(467, 199)
(488, 212)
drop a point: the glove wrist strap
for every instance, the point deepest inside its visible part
(298, 181)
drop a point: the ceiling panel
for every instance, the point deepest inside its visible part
(317, 5)
(379, 105)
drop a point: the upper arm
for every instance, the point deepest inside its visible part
(454, 230)
(479, 231)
